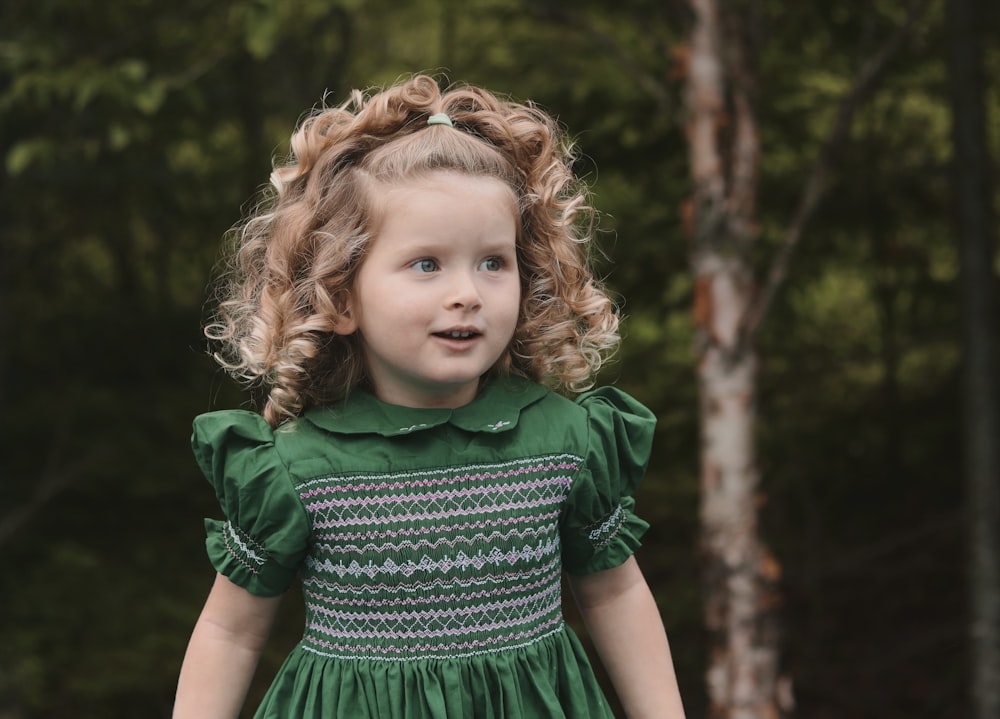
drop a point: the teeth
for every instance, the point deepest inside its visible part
(458, 335)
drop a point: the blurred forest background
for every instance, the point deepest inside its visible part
(134, 133)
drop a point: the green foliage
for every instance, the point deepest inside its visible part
(133, 132)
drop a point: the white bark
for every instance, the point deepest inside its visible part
(742, 676)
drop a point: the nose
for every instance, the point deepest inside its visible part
(463, 292)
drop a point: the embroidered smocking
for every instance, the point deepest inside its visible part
(435, 564)
(602, 532)
(243, 548)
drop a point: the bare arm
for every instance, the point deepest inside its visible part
(625, 626)
(223, 652)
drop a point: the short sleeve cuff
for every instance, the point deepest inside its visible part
(606, 544)
(237, 556)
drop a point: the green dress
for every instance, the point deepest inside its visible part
(430, 545)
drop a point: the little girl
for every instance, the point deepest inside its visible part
(417, 303)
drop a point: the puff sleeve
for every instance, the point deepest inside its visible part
(599, 530)
(266, 532)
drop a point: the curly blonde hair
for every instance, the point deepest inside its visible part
(297, 256)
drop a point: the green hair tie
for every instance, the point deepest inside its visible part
(440, 119)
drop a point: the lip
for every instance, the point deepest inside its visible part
(465, 340)
(459, 334)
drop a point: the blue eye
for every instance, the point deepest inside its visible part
(425, 265)
(493, 264)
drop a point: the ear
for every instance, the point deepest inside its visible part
(345, 323)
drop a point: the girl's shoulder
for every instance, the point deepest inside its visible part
(606, 405)
(599, 424)
(238, 422)
(225, 433)
(604, 409)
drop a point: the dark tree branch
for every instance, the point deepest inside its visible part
(864, 84)
(656, 88)
(55, 476)
(46, 487)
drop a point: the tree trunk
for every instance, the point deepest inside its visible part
(740, 574)
(981, 415)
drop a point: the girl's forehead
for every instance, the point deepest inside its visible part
(388, 194)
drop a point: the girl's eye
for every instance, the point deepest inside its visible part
(425, 265)
(493, 264)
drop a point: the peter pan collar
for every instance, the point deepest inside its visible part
(496, 409)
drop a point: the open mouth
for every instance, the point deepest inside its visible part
(458, 334)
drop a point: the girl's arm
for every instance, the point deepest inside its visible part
(222, 655)
(623, 622)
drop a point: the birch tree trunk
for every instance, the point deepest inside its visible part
(740, 574)
(981, 415)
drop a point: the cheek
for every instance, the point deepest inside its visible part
(517, 295)
(399, 310)
(512, 313)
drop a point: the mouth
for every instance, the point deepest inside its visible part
(458, 334)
